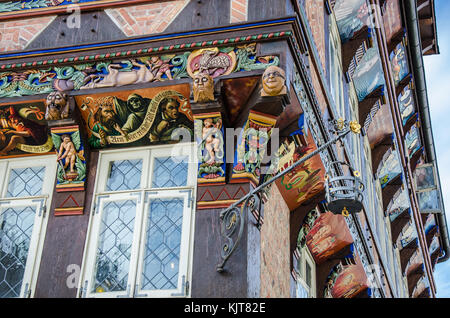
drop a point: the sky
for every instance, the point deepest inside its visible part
(437, 70)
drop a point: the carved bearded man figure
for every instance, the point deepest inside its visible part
(273, 81)
(203, 88)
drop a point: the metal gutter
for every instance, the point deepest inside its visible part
(415, 47)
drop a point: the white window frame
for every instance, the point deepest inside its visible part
(306, 257)
(41, 203)
(143, 196)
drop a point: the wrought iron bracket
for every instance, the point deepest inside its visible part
(232, 219)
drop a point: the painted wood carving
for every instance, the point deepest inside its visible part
(203, 88)
(212, 61)
(306, 180)
(251, 147)
(406, 104)
(392, 18)
(71, 173)
(346, 280)
(399, 63)
(399, 203)
(23, 129)
(137, 118)
(368, 75)
(209, 133)
(152, 68)
(390, 168)
(328, 236)
(273, 81)
(308, 223)
(57, 106)
(351, 16)
(413, 141)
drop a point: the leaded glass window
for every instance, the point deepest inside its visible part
(25, 186)
(140, 230)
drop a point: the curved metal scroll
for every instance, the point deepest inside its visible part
(232, 219)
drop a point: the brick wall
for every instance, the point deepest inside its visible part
(316, 17)
(238, 11)
(148, 18)
(17, 34)
(275, 251)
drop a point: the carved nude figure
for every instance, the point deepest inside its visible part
(69, 152)
(212, 143)
(116, 78)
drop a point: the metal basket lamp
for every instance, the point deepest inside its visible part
(344, 193)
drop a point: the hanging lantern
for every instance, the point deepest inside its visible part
(344, 193)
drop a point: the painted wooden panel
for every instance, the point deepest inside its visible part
(368, 75)
(136, 118)
(390, 168)
(23, 129)
(406, 104)
(251, 147)
(399, 63)
(306, 180)
(328, 236)
(351, 16)
(399, 203)
(392, 18)
(412, 139)
(347, 280)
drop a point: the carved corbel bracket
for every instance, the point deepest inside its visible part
(365, 106)
(415, 158)
(411, 122)
(350, 47)
(402, 84)
(431, 234)
(390, 189)
(399, 224)
(396, 39)
(414, 277)
(406, 254)
(434, 257)
(379, 151)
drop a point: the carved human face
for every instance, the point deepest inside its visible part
(273, 81)
(203, 88)
(56, 100)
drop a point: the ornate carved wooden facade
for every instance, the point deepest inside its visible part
(112, 94)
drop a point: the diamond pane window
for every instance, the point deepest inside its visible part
(139, 236)
(168, 172)
(16, 226)
(124, 175)
(162, 250)
(114, 251)
(26, 182)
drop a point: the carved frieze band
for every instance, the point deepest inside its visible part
(134, 68)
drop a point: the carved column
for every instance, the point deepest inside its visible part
(64, 124)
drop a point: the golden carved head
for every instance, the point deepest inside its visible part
(273, 81)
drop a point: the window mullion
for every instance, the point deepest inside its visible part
(138, 242)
